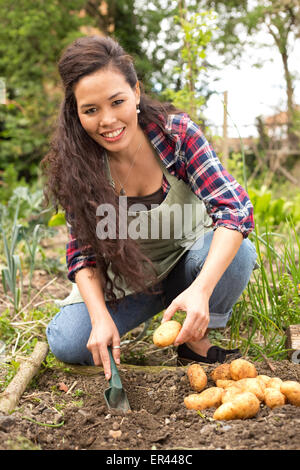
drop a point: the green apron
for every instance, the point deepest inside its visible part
(166, 232)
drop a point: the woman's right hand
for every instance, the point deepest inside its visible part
(104, 333)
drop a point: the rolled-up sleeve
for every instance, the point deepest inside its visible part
(75, 258)
(226, 200)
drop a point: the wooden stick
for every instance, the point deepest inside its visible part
(27, 370)
(273, 369)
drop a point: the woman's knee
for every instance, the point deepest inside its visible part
(243, 263)
(68, 334)
(239, 269)
(234, 280)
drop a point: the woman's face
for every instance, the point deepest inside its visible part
(106, 106)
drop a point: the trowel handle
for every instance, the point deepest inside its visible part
(115, 378)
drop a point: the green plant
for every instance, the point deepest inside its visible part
(78, 403)
(272, 211)
(32, 247)
(57, 219)
(11, 370)
(21, 443)
(7, 332)
(9, 181)
(196, 30)
(235, 166)
(12, 273)
(271, 301)
(31, 201)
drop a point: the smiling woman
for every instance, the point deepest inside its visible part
(111, 118)
(114, 140)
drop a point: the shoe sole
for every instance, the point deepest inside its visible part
(181, 361)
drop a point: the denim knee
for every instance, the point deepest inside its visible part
(243, 263)
(68, 338)
(234, 280)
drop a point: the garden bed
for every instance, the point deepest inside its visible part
(79, 418)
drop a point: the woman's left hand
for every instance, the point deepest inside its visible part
(196, 305)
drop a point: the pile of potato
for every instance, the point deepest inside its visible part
(239, 390)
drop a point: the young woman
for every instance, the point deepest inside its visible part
(185, 248)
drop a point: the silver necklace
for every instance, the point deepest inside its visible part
(122, 190)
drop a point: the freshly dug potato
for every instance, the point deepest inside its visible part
(241, 369)
(225, 383)
(275, 383)
(221, 372)
(229, 393)
(209, 398)
(251, 385)
(244, 405)
(263, 379)
(197, 377)
(274, 398)
(166, 333)
(291, 390)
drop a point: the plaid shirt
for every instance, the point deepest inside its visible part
(186, 154)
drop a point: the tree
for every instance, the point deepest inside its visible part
(137, 25)
(32, 35)
(196, 29)
(279, 19)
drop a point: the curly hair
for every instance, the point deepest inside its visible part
(75, 171)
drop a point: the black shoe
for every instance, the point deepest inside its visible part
(214, 354)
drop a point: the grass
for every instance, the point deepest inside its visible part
(271, 301)
(20, 333)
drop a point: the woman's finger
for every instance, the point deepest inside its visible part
(116, 351)
(105, 361)
(169, 312)
(186, 332)
(96, 357)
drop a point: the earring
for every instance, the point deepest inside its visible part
(138, 109)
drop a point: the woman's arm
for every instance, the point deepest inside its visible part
(195, 299)
(104, 331)
(82, 270)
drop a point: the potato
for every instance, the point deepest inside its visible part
(275, 383)
(291, 390)
(251, 385)
(166, 333)
(274, 397)
(225, 383)
(209, 398)
(229, 393)
(221, 372)
(263, 379)
(241, 369)
(244, 405)
(197, 377)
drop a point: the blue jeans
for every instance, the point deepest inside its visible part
(69, 330)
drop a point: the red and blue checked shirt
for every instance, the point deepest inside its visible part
(186, 154)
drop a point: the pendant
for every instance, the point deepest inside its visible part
(122, 192)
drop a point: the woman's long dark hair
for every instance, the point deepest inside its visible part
(74, 167)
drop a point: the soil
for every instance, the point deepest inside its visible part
(72, 400)
(64, 406)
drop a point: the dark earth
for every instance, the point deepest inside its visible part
(72, 403)
(63, 408)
